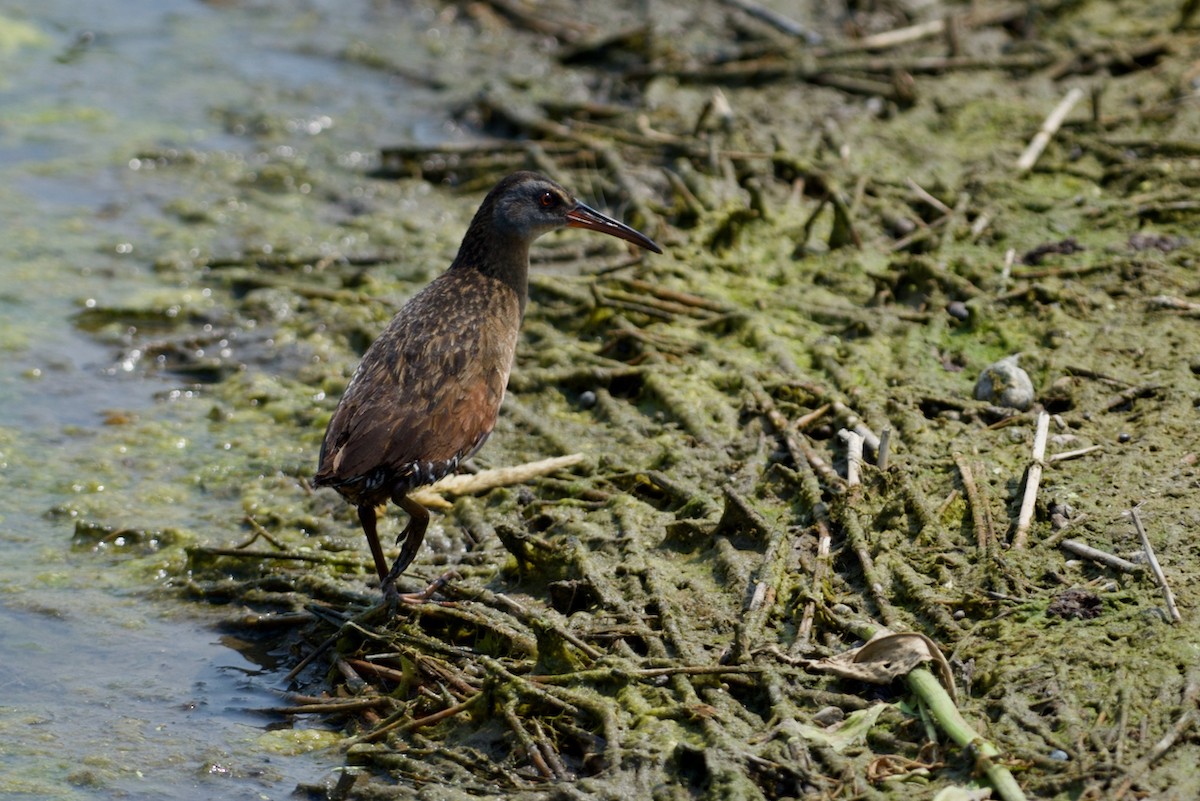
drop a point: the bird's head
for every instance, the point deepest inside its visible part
(527, 205)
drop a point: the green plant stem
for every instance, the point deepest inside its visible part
(926, 686)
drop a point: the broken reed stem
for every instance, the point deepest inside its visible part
(854, 422)
(1155, 568)
(980, 519)
(1077, 548)
(854, 456)
(1050, 127)
(1065, 455)
(945, 714)
(1032, 481)
(824, 543)
(884, 451)
(802, 453)
(530, 746)
(473, 484)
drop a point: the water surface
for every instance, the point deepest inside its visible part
(107, 688)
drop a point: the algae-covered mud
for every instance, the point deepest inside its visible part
(852, 238)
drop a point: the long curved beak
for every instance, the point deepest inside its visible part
(583, 216)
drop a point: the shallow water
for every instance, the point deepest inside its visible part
(105, 691)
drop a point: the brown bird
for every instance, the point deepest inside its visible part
(426, 395)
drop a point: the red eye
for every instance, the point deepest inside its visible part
(547, 199)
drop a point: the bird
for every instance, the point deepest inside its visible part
(427, 392)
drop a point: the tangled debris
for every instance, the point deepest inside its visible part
(781, 456)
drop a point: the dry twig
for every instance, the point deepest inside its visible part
(1155, 568)
(854, 457)
(475, 483)
(1105, 558)
(1053, 122)
(1032, 481)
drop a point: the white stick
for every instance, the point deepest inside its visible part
(1034, 479)
(854, 456)
(1062, 457)
(471, 484)
(1050, 127)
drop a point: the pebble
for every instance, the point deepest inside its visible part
(958, 310)
(1004, 383)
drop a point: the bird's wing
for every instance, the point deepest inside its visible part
(428, 391)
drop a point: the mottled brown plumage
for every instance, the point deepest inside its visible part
(426, 395)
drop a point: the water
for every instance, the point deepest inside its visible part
(106, 690)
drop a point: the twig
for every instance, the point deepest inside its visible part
(354, 682)
(332, 640)
(881, 456)
(1130, 395)
(1065, 455)
(854, 457)
(1155, 568)
(611, 673)
(501, 601)
(923, 194)
(797, 444)
(1053, 122)
(400, 722)
(259, 531)
(530, 746)
(853, 421)
(776, 20)
(473, 484)
(856, 539)
(982, 17)
(980, 517)
(330, 706)
(898, 36)
(1010, 257)
(1096, 555)
(1032, 481)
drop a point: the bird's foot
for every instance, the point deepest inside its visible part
(394, 597)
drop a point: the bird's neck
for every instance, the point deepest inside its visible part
(496, 255)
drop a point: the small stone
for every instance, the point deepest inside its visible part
(1124, 436)
(1004, 383)
(587, 399)
(958, 310)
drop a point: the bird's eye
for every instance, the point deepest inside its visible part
(547, 199)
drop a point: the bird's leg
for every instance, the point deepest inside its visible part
(412, 537)
(366, 516)
(413, 534)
